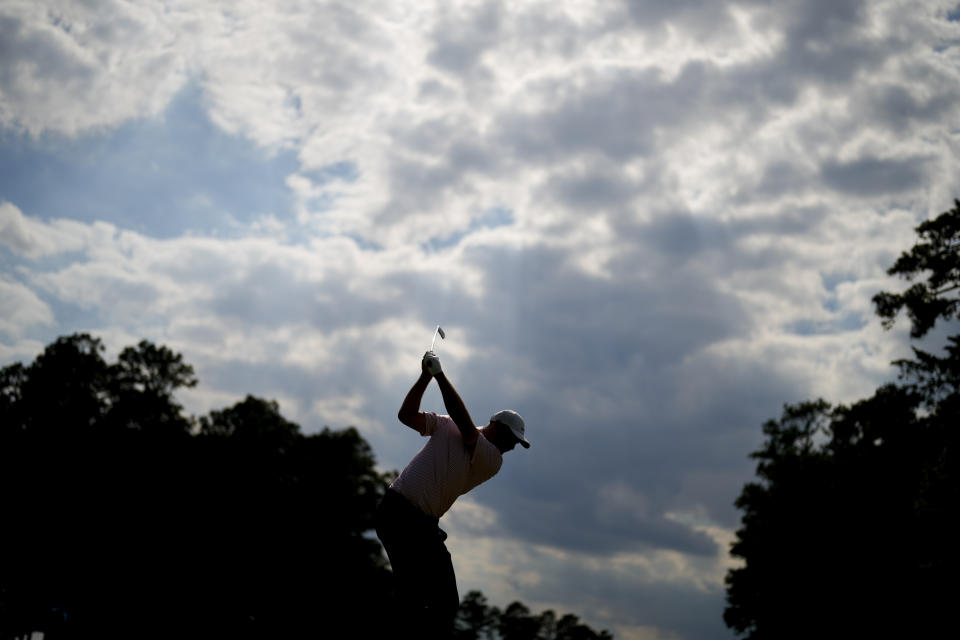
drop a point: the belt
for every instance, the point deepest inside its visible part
(393, 499)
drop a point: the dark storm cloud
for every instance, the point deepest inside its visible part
(876, 176)
(616, 115)
(674, 243)
(448, 153)
(266, 379)
(460, 40)
(826, 45)
(595, 189)
(626, 394)
(677, 237)
(432, 136)
(821, 20)
(780, 178)
(702, 17)
(23, 47)
(615, 404)
(789, 221)
(571, 524)
(416, 184)
(625, 114)
(611, 117)
(268, 294)
(900, 110)
(673, 430)
(576, 317)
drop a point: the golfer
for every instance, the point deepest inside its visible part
(457, 457)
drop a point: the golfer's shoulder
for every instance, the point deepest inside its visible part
(437, 423)
(488, 454)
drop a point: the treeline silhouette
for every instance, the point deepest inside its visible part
(851, 531)
(477, 620)
(121, 517)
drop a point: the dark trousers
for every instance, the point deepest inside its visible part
(423, 571)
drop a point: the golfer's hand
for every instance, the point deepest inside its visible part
(431, 363)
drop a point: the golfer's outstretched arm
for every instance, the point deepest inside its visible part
(458, 411)
(410, 413)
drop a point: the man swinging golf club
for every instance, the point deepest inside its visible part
(457, 457)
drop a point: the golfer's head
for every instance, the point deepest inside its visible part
(509, 428)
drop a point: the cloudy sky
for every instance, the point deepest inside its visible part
(645, 225)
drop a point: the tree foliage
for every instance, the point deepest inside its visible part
(124, 518)
(849, 530)
(937, 256)
(476, 620)
(120, 517)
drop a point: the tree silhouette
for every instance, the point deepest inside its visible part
(120, 521)
(63, 393)
(141, 385)
(848, 531)
(516, 623)
(938, 257)
(475, 619)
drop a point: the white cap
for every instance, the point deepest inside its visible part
(513, 420)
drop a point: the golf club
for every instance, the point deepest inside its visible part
(443, 336)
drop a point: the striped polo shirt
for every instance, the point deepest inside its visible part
(443, 470)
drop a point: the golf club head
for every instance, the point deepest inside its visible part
(443, 336)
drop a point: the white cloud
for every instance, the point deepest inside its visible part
(321, 309)
(21, 309)
(73, 66)
(28, 237)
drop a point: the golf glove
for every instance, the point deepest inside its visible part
(432, 362)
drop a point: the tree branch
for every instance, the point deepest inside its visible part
(947, 290)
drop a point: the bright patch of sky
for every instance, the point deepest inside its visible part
(161, 176)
